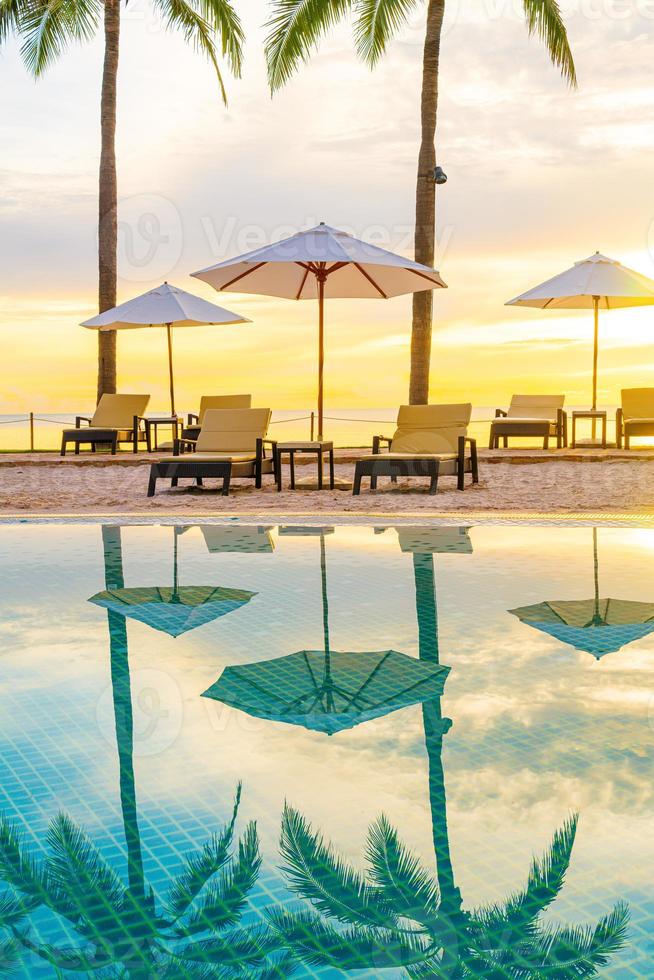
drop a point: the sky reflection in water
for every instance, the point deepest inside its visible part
(541, 729)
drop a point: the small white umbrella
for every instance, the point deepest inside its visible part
(166, 306)
(318, 264)
(594, 283)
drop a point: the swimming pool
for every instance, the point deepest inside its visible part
(483, 688)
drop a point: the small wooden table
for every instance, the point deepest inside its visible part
(594, 415)
(318, 448)
(152, 427)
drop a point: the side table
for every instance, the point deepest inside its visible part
(317, 448)
(595, 415)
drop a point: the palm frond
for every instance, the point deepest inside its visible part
(82, 879)
(49, 26)
(294, 30)
(14, 908)
(199, 867)
(285, 966)
(189, 17)
(544, 19)
(516, 918)
(77, 960)
(317, 943)
(410, 891)
(578, 951)
(317, 873)
(17, 867)
(376, 23)
(9, 18)
(235, 949)
(227, 25)
(224, 900)
(9, 954)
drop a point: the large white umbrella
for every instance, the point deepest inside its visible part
(594, 283)
(166, 306)
(321, 263)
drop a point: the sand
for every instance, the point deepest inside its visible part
(553, 486)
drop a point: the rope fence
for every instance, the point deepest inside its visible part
(31, 418)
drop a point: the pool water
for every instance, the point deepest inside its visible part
(405, 717)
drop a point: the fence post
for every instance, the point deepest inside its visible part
(31, 432)
(313, 416)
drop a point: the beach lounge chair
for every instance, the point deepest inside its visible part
(117, 418)
(194, 422)
(531, 415)
(430, 440)
(232, 444)
(635, 417)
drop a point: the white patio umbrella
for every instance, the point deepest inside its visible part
(321, 263)
(594, 283)
(166, 306)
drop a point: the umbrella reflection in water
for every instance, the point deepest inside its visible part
(328, 690)
(597, 626)
(173, 610)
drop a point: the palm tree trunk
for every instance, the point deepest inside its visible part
(108, 197)
(122, 697)
(435, 727)
(426, 206)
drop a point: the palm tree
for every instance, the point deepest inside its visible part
(119, 931)
(296, 27)
(46, 27)
(397, 914)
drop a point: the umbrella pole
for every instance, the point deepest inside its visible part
(321, 350)
(170, 368)
(596, 300)
(596, 574)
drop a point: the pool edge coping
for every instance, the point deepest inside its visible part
(458, 518)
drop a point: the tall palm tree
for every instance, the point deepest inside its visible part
(296, 27)
(119, 932)
(46, 28)
(398, 914)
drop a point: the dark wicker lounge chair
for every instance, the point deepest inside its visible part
(635, 417)
(430, 441)
(118, 418)
(531, 415)
(231, 445)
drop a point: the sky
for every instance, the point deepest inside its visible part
(539, 177)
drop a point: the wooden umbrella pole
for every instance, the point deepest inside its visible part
(595, 353)
(170, 368)
(321, 350)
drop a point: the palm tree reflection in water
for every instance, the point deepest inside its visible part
(117, 931)
(397, 914)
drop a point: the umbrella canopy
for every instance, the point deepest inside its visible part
(594, 283)
(173, 610)
(329, 692)
(166, 306)
(597, 627)
(321, 263)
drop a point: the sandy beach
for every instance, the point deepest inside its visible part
(550, 486)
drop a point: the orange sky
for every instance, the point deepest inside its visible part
(538, 177)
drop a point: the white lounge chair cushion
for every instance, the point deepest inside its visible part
(640, 421)
(208, 402)
(233, 430)
(91, 431)
(637, 403)
(430, 429)
(244, 457)
(535, 406)
(514, 420)
(410, 456)
(118, 411)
